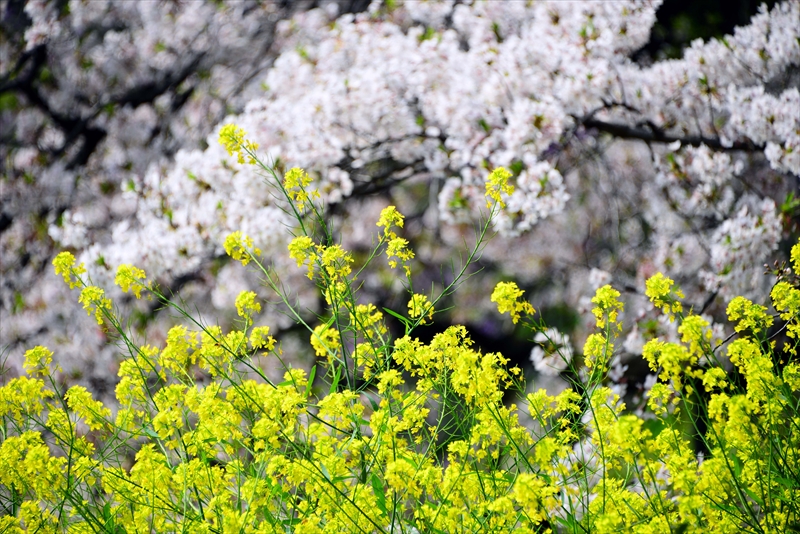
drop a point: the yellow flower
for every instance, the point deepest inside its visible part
(260, 338)
(420, 306)
(659, 291)
(295, 182)
(232, 138)
(749, 315)
(94, 296)
(325, 340)
(93, 412)
(37, 360)
(496, 185)
(240, 247)
(795, 257)
(128, 279)
(398, 248)
(246, 304)
(64, 264)
(390, 217)
(507, 296)
(596, 351)
(608, 305)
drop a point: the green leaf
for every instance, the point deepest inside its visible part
(335, 382)
(397, 316)
(311, 376)
(380, 495)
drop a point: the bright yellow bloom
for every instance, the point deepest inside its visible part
(608, 306)
(659, 291)
(325, 340)
(295, 182)
(795, 258)
(240, 247)
(597, 351)
(260, 338)
(390, 217)
(94, 296)
(420, 306)
(64, 264)
(398, 248)
(232, 138)
(508, 298)
(93, 412)
(37, 360)
(496, 185)
(749, 315)
(129, 278)
(246, 304)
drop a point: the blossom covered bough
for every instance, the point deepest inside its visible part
(685, 166)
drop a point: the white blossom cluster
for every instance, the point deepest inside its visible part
(552, 353)
(619, 167)
(451, 90)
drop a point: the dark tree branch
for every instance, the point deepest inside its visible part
(652, 134)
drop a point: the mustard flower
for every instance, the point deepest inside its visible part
(390, 217)
(795, 258)
(295, 182)
(659, 291)
(23, 397)
(673, 359)
(597, 351)
(302, 249)
(94, 296)
(786, 300)
(246, 304)
(260, 338)
(389, 380)
(240, 247)
(695, 331)
(398, 248)
(325, 340)
(179, 352)
(336, 261)
(608, 306)
(496, 185)
(129, 278)
(64, 264)
(716, 377)
(93, 412)
(507, 296)
(750, 316)
(232, 138)
(420, 306)
(38, 360)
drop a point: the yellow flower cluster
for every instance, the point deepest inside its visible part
(426, 443)
(129, 278)
(749, 316)
(240, 247)
(246, 304)
(508, 298)
(232, 138)
(295, 183)
(420, 307)
(93, 299)
(608, 307)
(659, 291)
(64, 264)
(497, 185)
(333, 261)
(396, 247)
